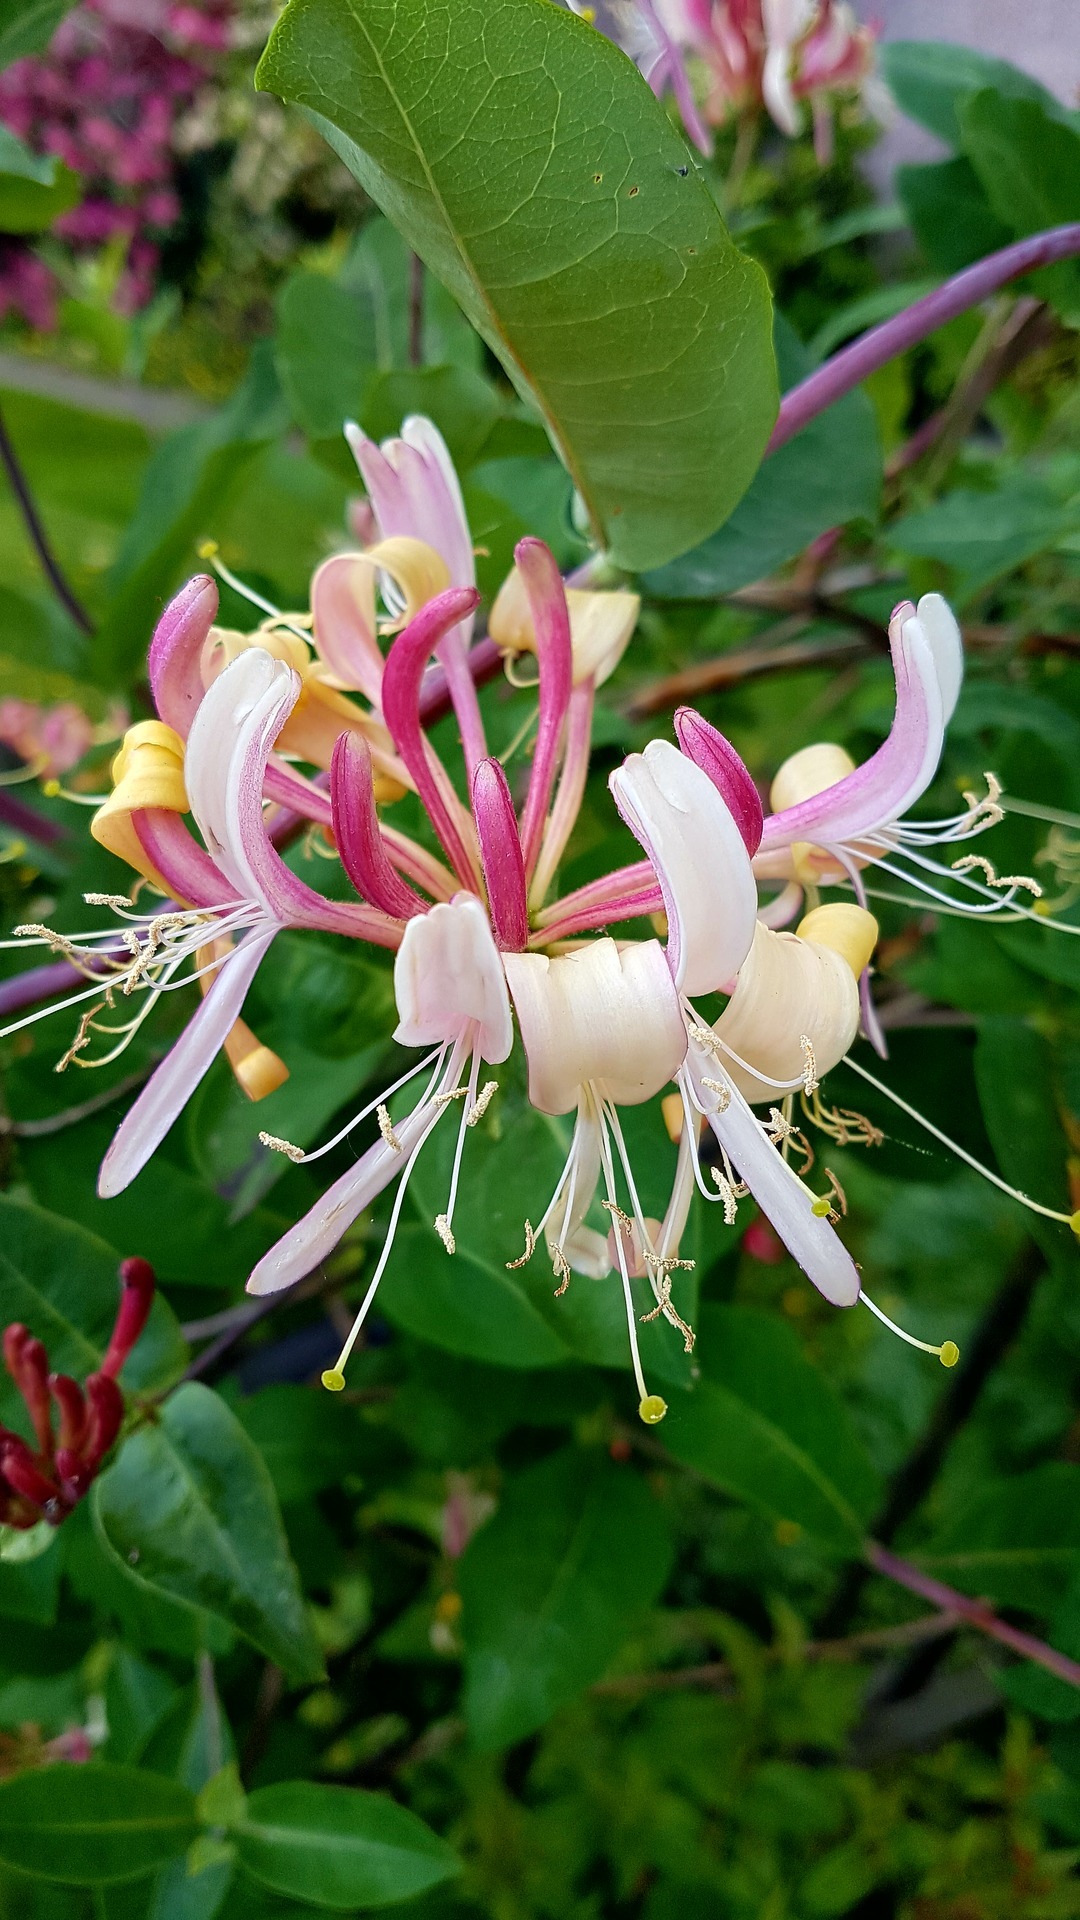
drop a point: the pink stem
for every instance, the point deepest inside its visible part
(501, 857)
(571, 788)
(613, 887)
(401, 710)
(853, 364)
(551, 625)
(358, 833)
(975, 1613)
(629, 906)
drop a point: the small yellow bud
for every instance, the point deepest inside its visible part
(332, 1380)
(652, 1409)
(950, 1354)
(448, 1607)
(822, 1207)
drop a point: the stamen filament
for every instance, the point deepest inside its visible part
(948, 1352)
(1049, 1213)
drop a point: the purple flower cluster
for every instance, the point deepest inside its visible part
(105, 99)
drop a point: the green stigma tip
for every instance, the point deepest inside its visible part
(950, 1354)
(332, 1380)
(822, 1207)
(652, 1409)
(1075, 1224)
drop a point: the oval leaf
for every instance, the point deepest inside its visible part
(189, 1509)
(527, 162)
(578, 1549)
(88, 1825)
(338, 1847)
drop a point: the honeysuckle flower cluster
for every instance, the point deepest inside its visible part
(46, 1480)
(751, 56)
(321, 718)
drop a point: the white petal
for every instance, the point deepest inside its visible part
(786, 988)
(447, 975)
(783, 1199)
(946, 643)
(604, 1014)
(171, 1086)
(701, 862)
(318, 1233)
(238, 720)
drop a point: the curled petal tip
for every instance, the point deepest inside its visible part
(727, 770)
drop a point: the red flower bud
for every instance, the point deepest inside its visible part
(106, 1413)
(69, 1399)
(28, 1364)
(136, 1299)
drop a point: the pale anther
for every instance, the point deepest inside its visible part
(530, 1247)
(386, 1128)
(482, 1103)
(282, 1146)
(445, 1232)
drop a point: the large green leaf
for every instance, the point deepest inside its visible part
(89, 1825)
(527, 162)
(62, 1283)
(829, 474)
(576, 1552)
(766, 1426)
(189, 1509)
(339, 1848)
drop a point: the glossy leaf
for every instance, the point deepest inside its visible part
(829, 474)
(591, 258)
(982, 536)
(551, 1586)
(767, 1427)
(62, 1282)
(1027, 158)
(339, 1848)
(89, 1825)
(189, 1509)
(950, 214)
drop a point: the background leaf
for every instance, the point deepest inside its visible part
(592, 260)
(189, 1507)
(338, 1847)
(766, 1426)
(577, 1551)
(89, 1825)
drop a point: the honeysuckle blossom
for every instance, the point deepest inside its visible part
(309, 720)
(776, 55)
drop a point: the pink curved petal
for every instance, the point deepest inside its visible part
(187, 868)
(727, 770)
(343, 636)
(169, 1089)
(500, 855)
(176, 650)
(881, 790)
(551, 625)
(290, 789)
(401, 710)
(358, 833)
(414, 490)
